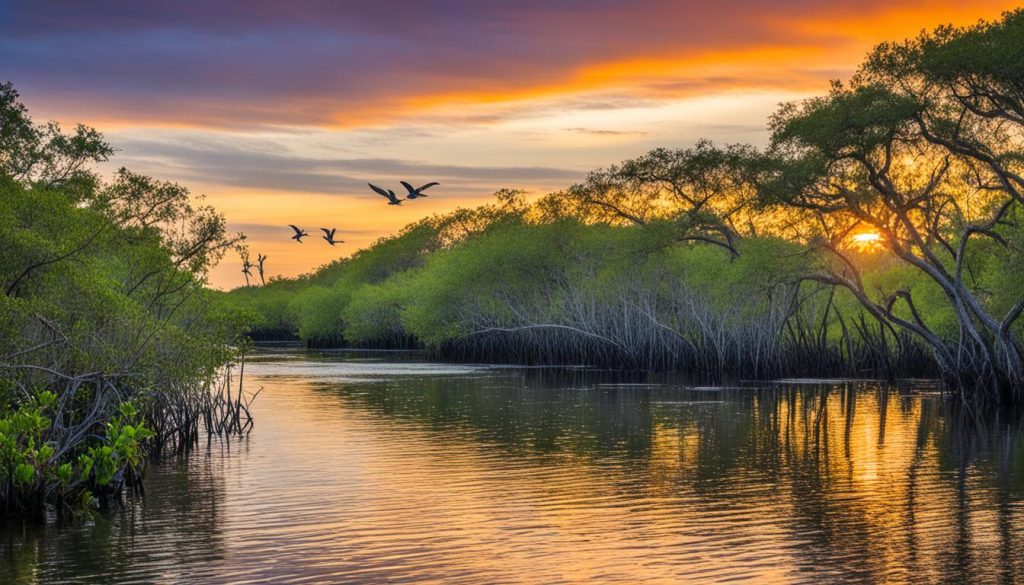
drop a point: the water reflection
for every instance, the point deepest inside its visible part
(175, 533)
(361, 470)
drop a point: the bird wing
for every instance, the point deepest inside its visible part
(382, 192)
(297, 230)
(408, 187)
(327, 232)
(428, 185)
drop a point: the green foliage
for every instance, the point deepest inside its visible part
(101, 293)
(43, 154)
(121, 449)
(373, 316)
(513, 273)
(846, 122)
(319, 312)
(31, 465)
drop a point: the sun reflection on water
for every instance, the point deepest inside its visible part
(469, 475)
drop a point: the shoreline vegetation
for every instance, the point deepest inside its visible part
(878, 234)
(112, 348)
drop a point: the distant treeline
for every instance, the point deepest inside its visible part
(111, 346)
(879, 234)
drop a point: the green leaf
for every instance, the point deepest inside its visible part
(24, 473)
(64, 473)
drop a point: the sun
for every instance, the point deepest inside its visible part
(867, 241)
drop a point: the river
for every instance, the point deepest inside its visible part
(381, 467)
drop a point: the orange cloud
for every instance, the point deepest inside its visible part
(655, 50)
(818, 47)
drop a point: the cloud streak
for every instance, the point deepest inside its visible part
(235, 63)
(268, 166)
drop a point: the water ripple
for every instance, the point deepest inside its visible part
(377, 470)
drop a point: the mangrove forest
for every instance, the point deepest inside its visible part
(112, 349)
(878, 234)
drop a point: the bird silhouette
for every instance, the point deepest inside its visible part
(329, 236)
(299, 234)
(414, 192)
(388, 194)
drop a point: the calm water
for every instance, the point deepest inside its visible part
(376, 467)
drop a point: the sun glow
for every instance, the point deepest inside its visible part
(868, 241)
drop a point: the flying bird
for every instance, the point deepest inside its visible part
(414, 192)
(329, 236)
(388, 194)
(299, 234)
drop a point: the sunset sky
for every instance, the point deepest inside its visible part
(280, 112)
